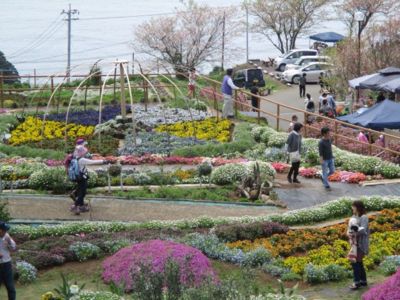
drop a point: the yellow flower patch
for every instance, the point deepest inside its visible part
(208, 129)
(35, 130)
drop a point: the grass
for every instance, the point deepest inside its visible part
(26, 151)
(213, 194)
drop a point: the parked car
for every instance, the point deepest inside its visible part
(291, 56)
(244, 78)
(306, 60)
(312, 72)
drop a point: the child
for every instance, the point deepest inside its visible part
(291, 124)
(352, 234)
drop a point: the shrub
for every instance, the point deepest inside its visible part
(26, 272)
(123, 267)
(388, 290)
(114, 246)
(277, 139)
(388, 170)
(98, 295)
(256, 258)
(84, 251)
(41, 259)
(390, 265)
(204, 169)
(315, 274)
(250, 231)
(53, 179)
(336, 272)
(229, 173)
(275, 154)
(4, 213)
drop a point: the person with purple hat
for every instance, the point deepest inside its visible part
(7, 244)
(80, 153)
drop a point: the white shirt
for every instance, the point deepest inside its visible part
(5, 247)
(231, 84)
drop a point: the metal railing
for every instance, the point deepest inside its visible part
(335, 124)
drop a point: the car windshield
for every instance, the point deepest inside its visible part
(298, 61)
(286, 54)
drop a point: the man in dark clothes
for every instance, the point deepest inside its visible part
(254, 99)
(326, 156)
(380, 98)
(302, 85)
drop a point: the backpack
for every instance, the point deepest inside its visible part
(74, 174)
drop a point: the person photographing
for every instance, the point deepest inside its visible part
(7, 245)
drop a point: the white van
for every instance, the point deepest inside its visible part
(306, 60)
(291, 56)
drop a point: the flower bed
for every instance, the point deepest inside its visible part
(333, 209)
(348, 177)
(35, 130)
(124, 267)
(388, 290)
(308, 172)
(280, 167)
(209, 129)
(88, 117)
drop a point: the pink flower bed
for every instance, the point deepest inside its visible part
(347, 177)
(122, 267)
(388, 290)
(308, 172)
(219, 161)
(280, 167)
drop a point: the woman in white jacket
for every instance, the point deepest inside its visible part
(79, 153)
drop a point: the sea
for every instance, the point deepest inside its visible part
(33, 33)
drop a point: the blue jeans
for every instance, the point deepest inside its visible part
(328, 168)
(7, 278)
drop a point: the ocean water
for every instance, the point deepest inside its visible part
(33, 34)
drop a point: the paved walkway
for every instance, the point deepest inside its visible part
(311, 192)
(106, 209)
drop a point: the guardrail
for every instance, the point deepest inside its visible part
(335, 124)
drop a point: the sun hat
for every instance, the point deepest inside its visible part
(81, 141)
(4, 226)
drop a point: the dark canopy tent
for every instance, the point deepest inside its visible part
(327, 37)
(381, 79)
(382, 115)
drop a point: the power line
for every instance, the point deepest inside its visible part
(49, 30)
(127, 17)
(73, 52)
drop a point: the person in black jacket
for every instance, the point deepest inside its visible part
(293, 148)
(326, 156)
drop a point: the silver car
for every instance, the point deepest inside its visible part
(312, 71)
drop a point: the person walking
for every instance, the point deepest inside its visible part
(227, 91)
(361, 232)
(310, 107)
(302, 85)
(255, 100)
(82, 181)
(7, 244)
(293, 148)
(326, 156)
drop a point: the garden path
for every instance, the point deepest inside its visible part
(311, 191)
(40, 207)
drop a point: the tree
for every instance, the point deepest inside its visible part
(370, 9)
(8, 69)
(186, 40)
(282, 22)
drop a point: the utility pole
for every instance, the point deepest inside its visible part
(70, 12)
(247, 34)
(223, 43)
(133, 63)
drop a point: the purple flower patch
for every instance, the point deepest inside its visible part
(124, 265)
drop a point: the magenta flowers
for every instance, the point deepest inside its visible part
(388, 290)
(122, 267)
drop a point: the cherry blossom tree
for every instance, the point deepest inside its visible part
(371, 9)
(188, 39)
(282, 22)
